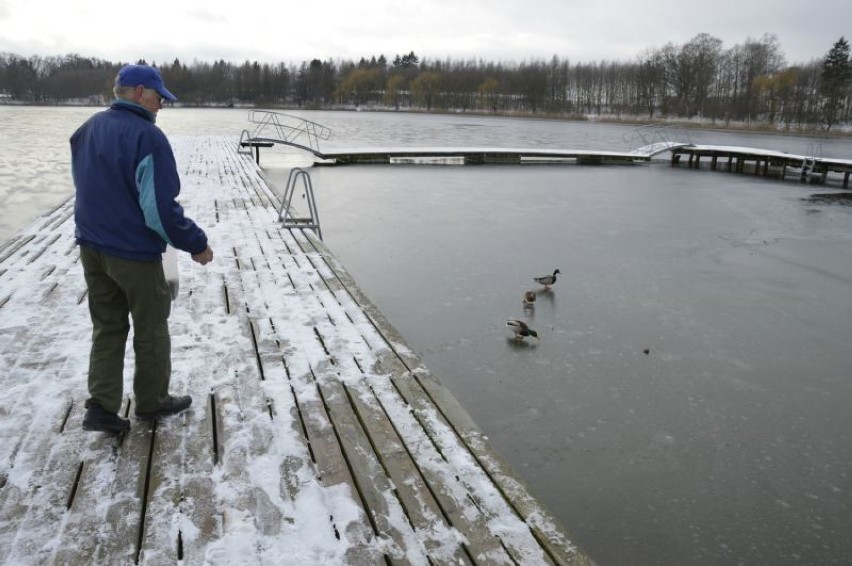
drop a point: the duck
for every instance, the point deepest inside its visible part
(529, 299)
(547, 280)
(521, 329)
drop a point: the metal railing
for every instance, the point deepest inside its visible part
(243, 146)
(655, 138)
(287, 129)
(286, 213)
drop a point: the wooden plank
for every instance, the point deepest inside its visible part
(15, 246)
(198, 521)
(79, 533)
(239, 404)
(332, 469)
(159, 537)
(470, 523)
(433, 524)
(454, 498)
(118, 540)
(330, 462)
(44, 466)
(386, 514)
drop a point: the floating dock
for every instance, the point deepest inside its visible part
(764, 162)
(462, 156)
(316, 435)
(278, 128)
(478, 156)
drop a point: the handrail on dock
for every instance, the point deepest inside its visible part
(658, 133)
(286, 128)
(247, 143)
(285, 212)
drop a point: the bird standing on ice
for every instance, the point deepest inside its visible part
(520, 329)
(547, 280)
(529, 299)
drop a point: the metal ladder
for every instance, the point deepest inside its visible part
(285, 212)
(809, 163)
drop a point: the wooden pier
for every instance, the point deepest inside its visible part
(274, 128)
(462, 156)
(764, 162)
(478, 156)
(316, 435)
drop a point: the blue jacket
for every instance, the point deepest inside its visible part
(127, 181)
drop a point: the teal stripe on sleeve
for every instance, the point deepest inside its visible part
(148, 197)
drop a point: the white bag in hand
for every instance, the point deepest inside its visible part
(170, 269)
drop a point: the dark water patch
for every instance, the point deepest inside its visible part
(843, 199)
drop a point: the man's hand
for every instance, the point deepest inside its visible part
(204, 257)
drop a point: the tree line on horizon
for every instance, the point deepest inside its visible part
(749, 82)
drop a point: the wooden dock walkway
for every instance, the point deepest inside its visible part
(273, 128)
(316, 435)
(765, 162)
(462, 156)
(479, 156)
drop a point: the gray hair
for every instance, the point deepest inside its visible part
(122, 91)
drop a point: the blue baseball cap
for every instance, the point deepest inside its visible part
(145, 75)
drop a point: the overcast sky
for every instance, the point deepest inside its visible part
(494, 30)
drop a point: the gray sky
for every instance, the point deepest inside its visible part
(494, 30)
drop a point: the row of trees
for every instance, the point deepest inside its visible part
(749, 82)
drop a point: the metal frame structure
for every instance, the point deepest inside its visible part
(285, 212)
(286, 128)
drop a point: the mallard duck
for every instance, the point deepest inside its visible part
(520, 329)
(547, 280)
(529, 299)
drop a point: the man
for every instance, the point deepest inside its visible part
(126, 181)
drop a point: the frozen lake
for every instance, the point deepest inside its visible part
(727, 442)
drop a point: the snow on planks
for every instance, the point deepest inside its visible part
(316, 436)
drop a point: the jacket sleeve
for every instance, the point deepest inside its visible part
(159, 185)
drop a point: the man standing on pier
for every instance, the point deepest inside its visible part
(126, 183)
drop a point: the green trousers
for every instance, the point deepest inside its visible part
(120, 289)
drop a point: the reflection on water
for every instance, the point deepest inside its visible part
(688, 402)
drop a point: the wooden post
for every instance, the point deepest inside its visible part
(846, 179)
(713, 162)
(730, 162)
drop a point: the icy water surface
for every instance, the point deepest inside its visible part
(688, 402)
(728, 441)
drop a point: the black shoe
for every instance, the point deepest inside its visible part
(172, 406)
(99, 419)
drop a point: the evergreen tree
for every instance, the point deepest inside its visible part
(836, 78)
